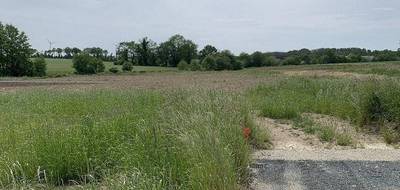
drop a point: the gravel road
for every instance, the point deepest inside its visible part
(327, 175)
(298, 162)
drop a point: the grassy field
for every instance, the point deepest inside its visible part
(152, 140)
(60, 67)
(179, 130)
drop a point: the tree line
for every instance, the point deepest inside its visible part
(183, 53)
(70, 52)
(177, 51)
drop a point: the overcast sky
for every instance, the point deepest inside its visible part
(238, 25)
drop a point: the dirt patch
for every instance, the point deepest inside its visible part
(363, 139)
(285, 137)
(225, 80)
(325, 73)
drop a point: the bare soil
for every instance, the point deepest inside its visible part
(330, 73)
(231, 81)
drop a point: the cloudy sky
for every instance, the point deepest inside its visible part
(238, 25)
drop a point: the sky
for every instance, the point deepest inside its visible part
(237, 25)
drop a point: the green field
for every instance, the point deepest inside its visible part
(62, 67)
(181, 138)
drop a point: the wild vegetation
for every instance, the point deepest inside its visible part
(193, 136)
(369, 103)
(147, 138)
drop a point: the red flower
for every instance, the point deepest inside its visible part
(246, 133)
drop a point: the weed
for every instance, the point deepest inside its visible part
(344, 139)
(326, 134)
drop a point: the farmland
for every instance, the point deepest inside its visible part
(183, 130)
(62, 67)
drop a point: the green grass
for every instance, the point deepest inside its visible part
(177, 139)
(363, 102)
(60, 67)
(154, 140)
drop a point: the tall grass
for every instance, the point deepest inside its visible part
(124, 139)
(364, 102)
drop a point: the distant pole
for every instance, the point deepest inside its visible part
(50, 44)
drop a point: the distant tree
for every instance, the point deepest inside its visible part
(59, 52)
(245, 58)
(145, 51)
(222, 62)
(15, 52)
(292, 60)
(126, 51)
(208, 63)
(75, 51)
(86, 64)
(177, 48)
(208, 50)
(105, 54)
(68, 52)
(257, 59)
(95, 52)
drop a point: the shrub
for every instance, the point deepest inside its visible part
(85, 64)
(208, 63)
(183, 65)
(195, 65)
(39, 67)
(119, 62)
(327, 134)
(344, 139)
(127, 66)
(222, 62)
(391, 135)
(237, 65)
(303, 122)
(114, 70)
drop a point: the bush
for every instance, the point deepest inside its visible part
(114, 70)
(222, 62)
(119, 62)
(237, 65)
(208, 63)
(327, 134)
(85, 64)
(195, 65)
(127, 66)
(183, 65)
(39, 67)
(344, 139)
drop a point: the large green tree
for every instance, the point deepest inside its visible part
(15, 52)
(174, 50)
(145, 51)
(207, 50)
